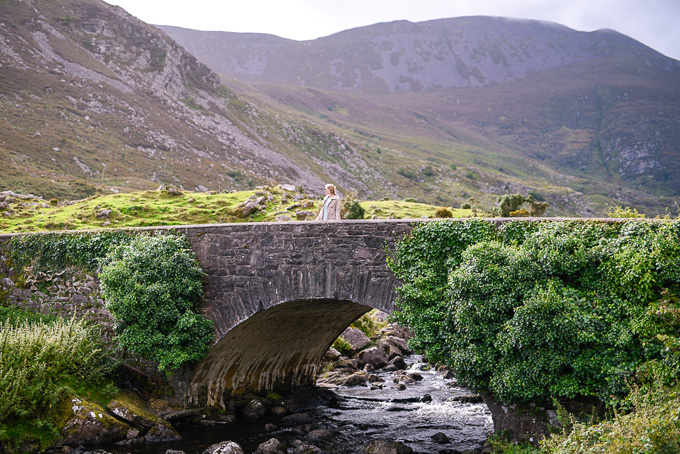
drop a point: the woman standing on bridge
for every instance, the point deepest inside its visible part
(330, 208)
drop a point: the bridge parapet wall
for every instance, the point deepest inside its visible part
(252, 267)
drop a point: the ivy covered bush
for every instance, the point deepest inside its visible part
(531, 311)
(152, 287)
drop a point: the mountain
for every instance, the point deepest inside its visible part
(93, 99)
(529, 103)
(412, 57)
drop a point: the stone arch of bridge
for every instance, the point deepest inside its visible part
(278, 348)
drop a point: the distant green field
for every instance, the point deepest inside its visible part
(151, 208)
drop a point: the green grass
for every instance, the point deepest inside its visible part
(42, 364)
(653, 427)
(396, 209)
(156, 208)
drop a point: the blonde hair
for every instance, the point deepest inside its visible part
(331, 188)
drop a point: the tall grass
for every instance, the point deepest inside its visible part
(652, 428)
(42, 364)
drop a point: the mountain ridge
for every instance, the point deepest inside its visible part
(92, 99)
(387, 57)
(595, 105)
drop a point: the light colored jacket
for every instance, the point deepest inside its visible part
(333, 208)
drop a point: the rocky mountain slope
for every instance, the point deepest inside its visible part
(91, 97)
(599, 109)
(411, 57)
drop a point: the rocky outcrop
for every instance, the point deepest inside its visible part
(271, 446)
(127, 419)
(224, 447)
(90, 424)
(385, 352)
(356, 339)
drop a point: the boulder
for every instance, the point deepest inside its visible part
(440, 438)
(374, 356)
(356, 339)
(162, 431)
(399, 363)
(224, 447)
(296, 419)
(91, 424)
(201, 188)
(104, 214)
(319, 435)
(279, 410)
(255, 409)
(330, 355)
(345, 363)
(301, 448)
(245, 210)
(397, 344)
(288, 187)
(357, 379)
(271, 446)
(302, 215)
(283, 218)
(387, 447)
(131, 408)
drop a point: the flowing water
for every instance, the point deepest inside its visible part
(356, 416)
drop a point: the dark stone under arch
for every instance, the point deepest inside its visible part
(277, 349)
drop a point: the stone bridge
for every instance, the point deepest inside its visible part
(280, 294)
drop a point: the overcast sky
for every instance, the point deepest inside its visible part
(652, 22)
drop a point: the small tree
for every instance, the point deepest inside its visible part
(152, 287)
(350, 208)
(508, 203)
(511, 203)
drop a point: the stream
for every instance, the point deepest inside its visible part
(355, 416)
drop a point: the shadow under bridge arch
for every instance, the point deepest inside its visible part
(277, 349)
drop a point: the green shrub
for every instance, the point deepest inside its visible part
(367, 324)
(540, 310)
(408, 173)
(355, 211)
(341, 345)
(152, 287)
(654, 427)
(41, 365)
(410, 199)
(621, 212)
(443, 212)
(466, 206)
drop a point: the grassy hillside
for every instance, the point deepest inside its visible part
(154, 208)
